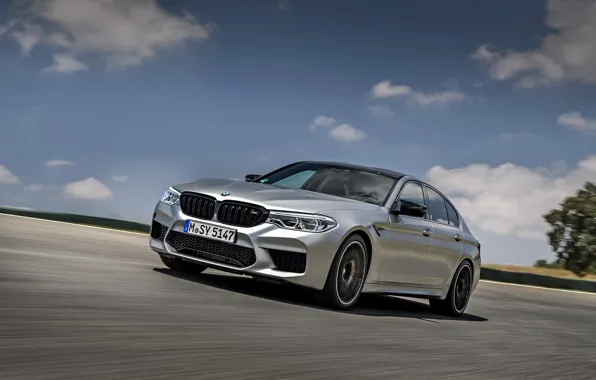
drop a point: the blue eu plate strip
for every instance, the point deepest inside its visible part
(186, 224)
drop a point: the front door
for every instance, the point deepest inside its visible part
(408, 243)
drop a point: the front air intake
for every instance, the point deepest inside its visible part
(212, 250)
(158, 230)
(287, 261)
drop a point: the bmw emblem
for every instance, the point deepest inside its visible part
(225, 193)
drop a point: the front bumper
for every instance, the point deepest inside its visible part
(279, 254)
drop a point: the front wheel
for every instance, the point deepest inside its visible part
(459, 293)
(181, 265)
(347, 274)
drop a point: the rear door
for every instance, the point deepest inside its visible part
(447, 240)
(408, 243)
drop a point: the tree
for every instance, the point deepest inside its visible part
(573, 230)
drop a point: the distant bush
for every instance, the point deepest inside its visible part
(546, 264)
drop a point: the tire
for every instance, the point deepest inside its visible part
(349, 267)
(459, 293)
(181, 265)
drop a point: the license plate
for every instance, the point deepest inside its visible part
(209, 231)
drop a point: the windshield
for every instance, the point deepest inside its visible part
(333, 180)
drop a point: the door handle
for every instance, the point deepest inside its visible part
(426, 232)
(457, 237)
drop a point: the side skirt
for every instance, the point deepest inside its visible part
(403, 290)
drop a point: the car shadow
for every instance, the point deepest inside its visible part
(368, 305)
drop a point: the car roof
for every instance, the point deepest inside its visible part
(386, 172)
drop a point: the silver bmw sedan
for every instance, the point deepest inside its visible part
(339, 228)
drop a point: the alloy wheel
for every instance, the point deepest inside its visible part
(351, 272)
(463, 287)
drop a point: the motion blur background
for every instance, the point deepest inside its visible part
(106, 103)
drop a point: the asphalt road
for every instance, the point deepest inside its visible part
(85, 303)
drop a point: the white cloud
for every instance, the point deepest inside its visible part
(122, 33)
(441, 98)
(7, 177)
(57, 162)
(65, 63)
(33, 187)
(568, 53)
(385, 89)
(483, 54)
(576, 121)
(347, 133)
(120, 178)
(340, 132)
(88, 189)
(322, 121)
(28, 37)
(511, 199)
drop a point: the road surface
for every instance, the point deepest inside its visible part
(87, 303)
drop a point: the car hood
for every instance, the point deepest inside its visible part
(272, 197)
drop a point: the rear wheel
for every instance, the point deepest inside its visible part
(347, 274)
(459, 293)
(181, 265)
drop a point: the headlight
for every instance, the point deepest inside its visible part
(301, 222)
(171, 197)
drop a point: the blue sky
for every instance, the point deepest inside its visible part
(152, 97)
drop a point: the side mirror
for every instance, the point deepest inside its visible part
(251, 177)
(409, 208)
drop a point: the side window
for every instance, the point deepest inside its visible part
(412, 192)
(452, 214)
(436, 207)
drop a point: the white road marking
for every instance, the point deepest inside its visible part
(145, 234)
